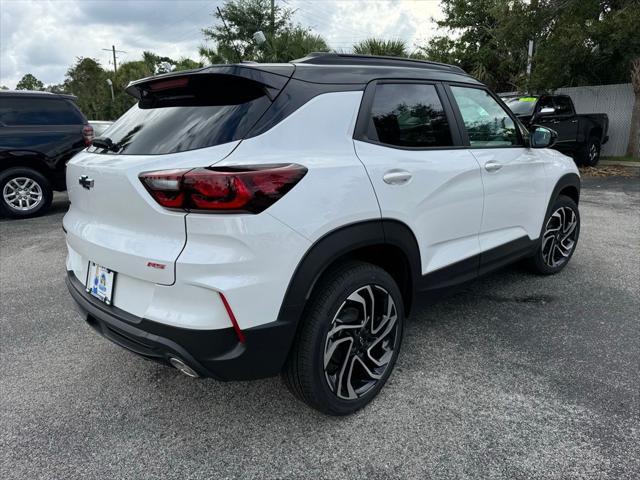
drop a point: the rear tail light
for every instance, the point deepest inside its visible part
(87, 133)
(246, 189)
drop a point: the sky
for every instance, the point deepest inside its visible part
(44, 37)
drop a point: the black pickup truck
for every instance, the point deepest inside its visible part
(580, 136)
(39, 133)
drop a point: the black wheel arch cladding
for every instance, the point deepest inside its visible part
(355, 238)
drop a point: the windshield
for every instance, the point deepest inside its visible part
(209, 111)
(522, 105)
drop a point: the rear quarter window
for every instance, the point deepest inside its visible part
(207, 110)
(16, 111)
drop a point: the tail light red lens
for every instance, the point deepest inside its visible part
(87, 133)
(246, 189)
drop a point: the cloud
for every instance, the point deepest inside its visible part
(45, 37)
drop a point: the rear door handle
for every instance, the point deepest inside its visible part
(397, 177)
(492, 166)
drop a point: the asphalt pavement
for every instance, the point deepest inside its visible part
(513, 376)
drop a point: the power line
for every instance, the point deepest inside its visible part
(114, 51)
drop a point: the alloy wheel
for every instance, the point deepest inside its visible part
(22, 194)
(360, 343)
(559, 238)
(593, 153)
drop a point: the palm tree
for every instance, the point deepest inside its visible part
(377, 46)
(291, 44)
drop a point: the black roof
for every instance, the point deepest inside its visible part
(361, 69)
(325, 68)
(331, 58)
(36, 93)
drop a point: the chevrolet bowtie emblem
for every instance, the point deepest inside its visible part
(86, 182)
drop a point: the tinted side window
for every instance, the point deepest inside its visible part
(545, 102)
(487, 123)
(38, 111)
(563, 106)
(410, 115)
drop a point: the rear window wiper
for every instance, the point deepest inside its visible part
(106, 143)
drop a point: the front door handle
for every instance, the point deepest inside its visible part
(492, 166)
(397, 177)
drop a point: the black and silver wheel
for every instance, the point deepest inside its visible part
(349, 341)
(559, 237)
(25, 193)
(589, 154)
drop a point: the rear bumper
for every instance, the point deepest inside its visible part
(211, 353)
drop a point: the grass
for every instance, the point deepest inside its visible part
(622, 158)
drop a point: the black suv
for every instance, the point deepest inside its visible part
(39, 133)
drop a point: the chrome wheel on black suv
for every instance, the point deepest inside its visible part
(559, 237)
(25, 193)
(349, 341)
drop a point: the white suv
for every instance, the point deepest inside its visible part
(245, 220)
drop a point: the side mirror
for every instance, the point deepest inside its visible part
(542, 137)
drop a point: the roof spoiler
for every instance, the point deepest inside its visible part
(272, 77)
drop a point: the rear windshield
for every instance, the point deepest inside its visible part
(522, 105)
(186, 114)
(31, 110)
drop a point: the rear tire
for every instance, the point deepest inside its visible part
(349, 339)
(558, 239)
(24, 193)
(589, 154)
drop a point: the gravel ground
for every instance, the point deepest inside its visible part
(513, 376)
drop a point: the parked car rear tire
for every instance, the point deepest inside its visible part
(25, 193)
(589, 153)
(338, 329)
(558, 239)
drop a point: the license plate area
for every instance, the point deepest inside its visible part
(100, 281)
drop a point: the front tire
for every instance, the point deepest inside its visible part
(349, 340)
(558, 239)
(24, 193)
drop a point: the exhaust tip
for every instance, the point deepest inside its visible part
(183, 367)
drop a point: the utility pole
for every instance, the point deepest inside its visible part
(529, 59)
(273, 17)
(113, 50)
(534, 6)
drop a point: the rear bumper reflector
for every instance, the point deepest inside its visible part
(232, 317)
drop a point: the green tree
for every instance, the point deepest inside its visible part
(186, 64)
(241, 19)
(488, 38)
(88, 81)
(127, 72)
(587, 42)
(290, 44)
(157, 64)
(376, 46)
(577, 42)
(56, 88)
(29, 82)
(4, 87)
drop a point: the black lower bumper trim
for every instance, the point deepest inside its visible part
(211, 353)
